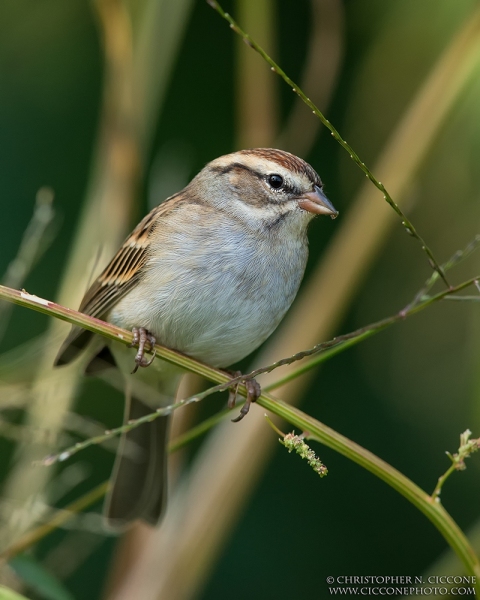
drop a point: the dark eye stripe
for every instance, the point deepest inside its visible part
(224, 170)
(287, 187)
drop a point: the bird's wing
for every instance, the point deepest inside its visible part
(117, 279)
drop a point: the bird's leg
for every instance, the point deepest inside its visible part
(253, 392)
(141, 337)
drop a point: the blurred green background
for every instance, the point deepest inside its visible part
(405, 394)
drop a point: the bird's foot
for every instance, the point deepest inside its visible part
(142, 337)
(253, 393)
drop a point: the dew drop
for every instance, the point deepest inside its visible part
(63, 456)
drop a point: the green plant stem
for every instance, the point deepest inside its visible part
(358, 336)
(274, 427)
(431, 508)
(409, 227)
(316, 430)
(467, 448)
(441, 480)
(458, 257)
(330, 348)
(223, 380)
(463, 298)
(324, 350)
(23, 298)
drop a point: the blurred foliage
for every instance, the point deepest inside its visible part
(405, 394)
(39, 579)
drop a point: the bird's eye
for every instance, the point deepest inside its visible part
(275, 181)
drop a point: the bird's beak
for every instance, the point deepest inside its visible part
(316, 202)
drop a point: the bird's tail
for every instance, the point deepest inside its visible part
(138, 485)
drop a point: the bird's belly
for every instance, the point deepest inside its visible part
(215, 313)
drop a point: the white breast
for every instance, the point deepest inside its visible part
(217, 294)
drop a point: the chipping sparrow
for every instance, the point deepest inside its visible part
(210, 272)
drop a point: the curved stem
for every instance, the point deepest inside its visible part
(432, 509)
(408, 225)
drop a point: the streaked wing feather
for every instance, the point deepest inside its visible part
(119, 277)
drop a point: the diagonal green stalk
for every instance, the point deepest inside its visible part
(430, 507)
(324, 352)
(316, 430)
(358, 336)
(409, 227)
(223, 380)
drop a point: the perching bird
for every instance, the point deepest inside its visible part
(210, 272)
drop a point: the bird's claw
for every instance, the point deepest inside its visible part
(253, 393)
(142, 337)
